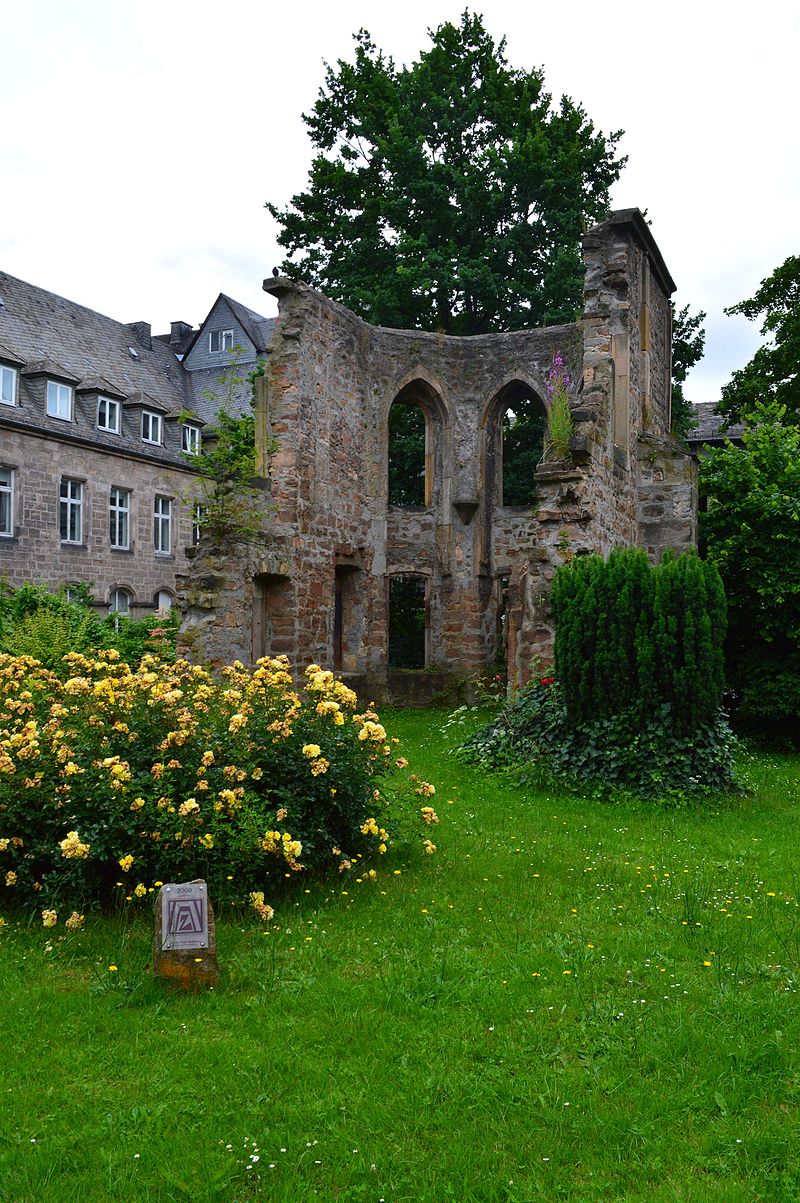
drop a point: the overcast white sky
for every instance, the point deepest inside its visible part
(139, 140)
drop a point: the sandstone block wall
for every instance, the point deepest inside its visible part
(319, 587)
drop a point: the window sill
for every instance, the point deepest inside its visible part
(121, 551)
(72, 546)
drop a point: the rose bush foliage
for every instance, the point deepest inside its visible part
(112, 779)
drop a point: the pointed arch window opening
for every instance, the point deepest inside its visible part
(520, 431)
(415, 427)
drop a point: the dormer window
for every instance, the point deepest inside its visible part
(8, 385)
(220, 340)
(108, 415)
(190, 438)
(151, 427)
(59, 401)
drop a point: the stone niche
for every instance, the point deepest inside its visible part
(410, 582)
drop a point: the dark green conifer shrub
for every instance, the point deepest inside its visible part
(639, 677)
(633, 637)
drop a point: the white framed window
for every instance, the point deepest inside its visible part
(119, 602)
(119, 519)
(70, 510)
(198, 514)
(163, 600)
(190, 438)
(8, 385)
(6, 501)
(59, 401)
(109, 414)
(162, 525)
(220, 340)
(151, 427)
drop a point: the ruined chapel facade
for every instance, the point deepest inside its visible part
(469, 575)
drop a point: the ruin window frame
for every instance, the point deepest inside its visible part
(347, 630)
(422, 394)
(273, 598)
(502, 596)
(426, 600)
(496, 450)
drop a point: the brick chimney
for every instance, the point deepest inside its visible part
(179, 333)
(142, 333)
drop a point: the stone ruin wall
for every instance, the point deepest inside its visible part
(325, 400)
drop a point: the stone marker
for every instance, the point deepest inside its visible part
(185, 940)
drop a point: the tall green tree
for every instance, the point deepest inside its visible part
(773, 374)
(751, 531)
(688, 344)
(449, 195)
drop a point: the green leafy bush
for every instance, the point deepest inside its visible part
(533, 738)
(751, 529)
(47, 626)
(113, 780)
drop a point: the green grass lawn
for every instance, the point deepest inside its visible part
(569, 1001)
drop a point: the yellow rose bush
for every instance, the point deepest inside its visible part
(113, 780)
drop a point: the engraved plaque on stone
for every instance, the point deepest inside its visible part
(184, 915)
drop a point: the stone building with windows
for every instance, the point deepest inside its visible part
(403, 589)
(99, 422)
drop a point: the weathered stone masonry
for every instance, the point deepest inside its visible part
(318, 589)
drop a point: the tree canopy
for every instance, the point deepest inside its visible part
(773, 374)
(449, 195)
(750, 529)
(688, 344)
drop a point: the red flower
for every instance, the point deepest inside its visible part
(548, 680)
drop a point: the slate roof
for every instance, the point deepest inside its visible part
(258, 328)
(46, 335)
(37, 325)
